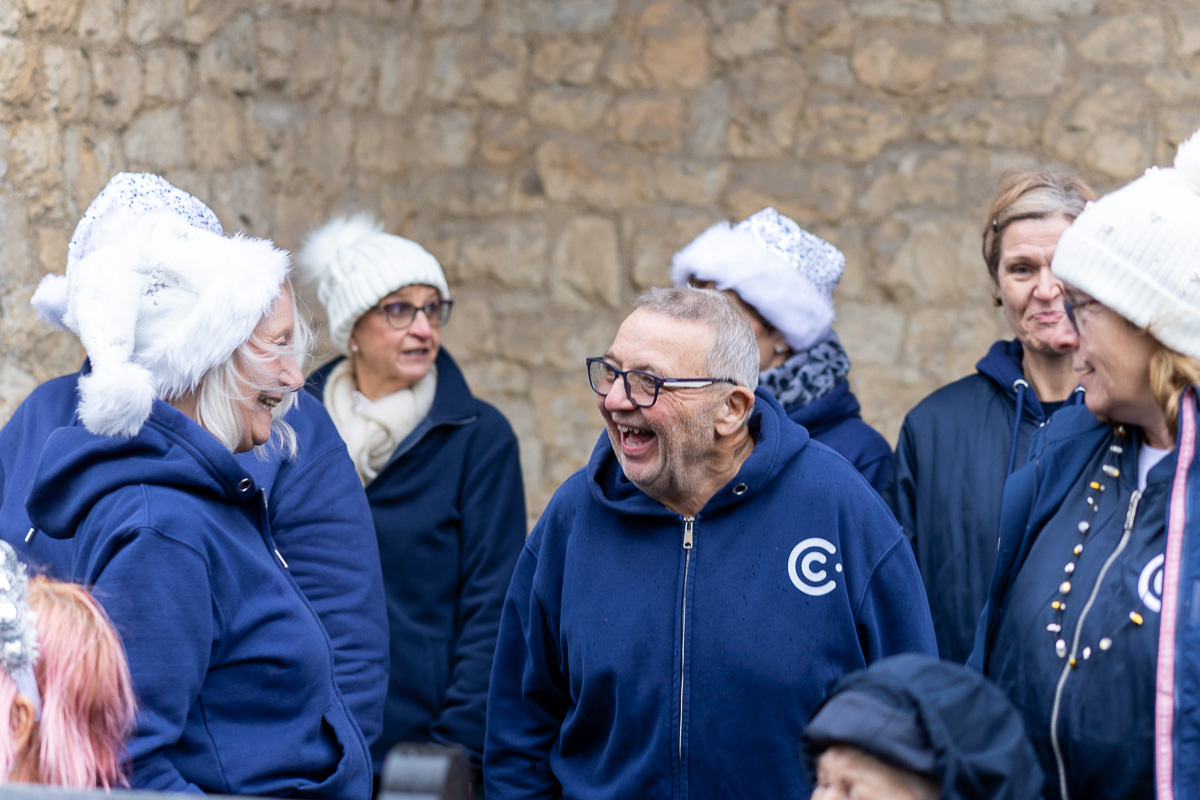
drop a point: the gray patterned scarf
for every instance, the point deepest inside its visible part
(808, 375)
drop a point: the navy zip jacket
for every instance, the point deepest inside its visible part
(1106, 720)
(835, 421)
(449, 511)
(318, 514)
(232, 668)
(956, 449)
(642, 654)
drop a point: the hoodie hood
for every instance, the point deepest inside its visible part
(1002, 366)
(776, 442)
(79, 468)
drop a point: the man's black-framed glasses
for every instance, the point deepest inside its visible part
(1070, 307)
(400, 315)
(640, 387)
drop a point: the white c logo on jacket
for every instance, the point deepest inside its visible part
(809, 580)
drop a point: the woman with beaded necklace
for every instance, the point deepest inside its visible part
(1091, 620)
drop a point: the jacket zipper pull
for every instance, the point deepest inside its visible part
(281, 561)
(29, 536)
(687, 532)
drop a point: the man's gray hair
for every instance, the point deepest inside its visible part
(734, 351)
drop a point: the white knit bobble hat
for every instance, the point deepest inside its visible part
(786, 273)
(1137, 251)
(158, 307)
(123, 200)
(354, 265)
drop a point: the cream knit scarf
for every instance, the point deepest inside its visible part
(372, 430)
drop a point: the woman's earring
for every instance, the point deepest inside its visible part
(780, 349)
(353, 347)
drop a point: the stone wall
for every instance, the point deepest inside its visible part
(554, 153)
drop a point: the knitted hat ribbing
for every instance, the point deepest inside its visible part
(1137, 251)
(786, 273)
(354, 265)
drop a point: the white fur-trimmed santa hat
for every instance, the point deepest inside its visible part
(354, 265)
(157, 306)
(1137, 251)
(123, 200)
(786, 273)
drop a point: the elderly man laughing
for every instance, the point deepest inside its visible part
(687, 599)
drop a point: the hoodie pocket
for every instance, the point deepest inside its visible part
(351, 777)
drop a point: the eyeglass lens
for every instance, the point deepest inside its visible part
(401, 315)
(641, 387)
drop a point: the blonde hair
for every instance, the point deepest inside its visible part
(1171, 373)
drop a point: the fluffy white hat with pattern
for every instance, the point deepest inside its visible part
(786, 273)
(1137, 251)
(354, 265)
(157, 302)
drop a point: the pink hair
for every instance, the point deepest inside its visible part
(87, 696)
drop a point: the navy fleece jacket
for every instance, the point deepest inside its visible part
(642, 654)
(835, 421)
(948, 476)
(449, 510)
(233, 671)
(319, 518)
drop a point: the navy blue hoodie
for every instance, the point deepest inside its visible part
(449, 510)
(955, 451)
(835, 421)
(642, 654)
(319, 518)
(232, 668)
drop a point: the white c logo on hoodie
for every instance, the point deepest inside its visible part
(809, 580)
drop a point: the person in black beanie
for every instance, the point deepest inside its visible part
(911, 726)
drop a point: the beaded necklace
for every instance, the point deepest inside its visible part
(1059, 604)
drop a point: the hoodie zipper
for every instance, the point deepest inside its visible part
(1130, 515)
(688, 531)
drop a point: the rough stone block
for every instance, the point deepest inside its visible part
(979, 122)
(650, 122)
(1175, 86)
(450, 13)
(553, 16)
(992, 12)
(663, 45)
(1186, 19)
(748, 37)
(90, 158)
(914, 61)
(854, 132)
(568, 108)
(690, 182)
(514, 253)
(241, 199)
(939, 263)
(807, 192)
(67, 80)
(1135, 39)
(1029, 64)
(156, 140)
(805, 21)
(214, 132)
(766, 98)
(446, 139)
(653, 237)
(101, 21)
(358, 50)
(928, 12)
(205, 17)
(51, 15)
(229, 60)
(587, 264)
(380, 146)
(1083, 128)
(471, 335)
(504, 137)
(872, 332)
(566, 60)
(35, 160)
(709, 113)
(597, 177)
(147, 21)
(16, 72)
(10, 17)
(117, 83)
(399, 72)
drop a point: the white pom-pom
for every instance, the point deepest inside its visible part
(50, 300)
(1187, 162)
(322, 246)
(115, 399)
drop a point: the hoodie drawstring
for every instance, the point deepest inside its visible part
(1020, 385)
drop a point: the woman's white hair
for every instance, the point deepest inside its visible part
(222, 390)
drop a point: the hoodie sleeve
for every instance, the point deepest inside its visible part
(157, 593)
(322, 524)
(529, 698)
(893, 613)
(901, 491)
(493, 533)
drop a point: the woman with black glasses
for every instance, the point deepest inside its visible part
(440, 468)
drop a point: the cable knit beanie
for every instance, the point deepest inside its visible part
(354, 265)
(1137, 251)
(786, 273)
